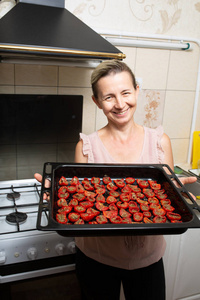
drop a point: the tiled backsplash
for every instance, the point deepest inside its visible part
(168, 93)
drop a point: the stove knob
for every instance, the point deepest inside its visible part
(2, 257)
(32, 253)
(60, 249)
(72, 247)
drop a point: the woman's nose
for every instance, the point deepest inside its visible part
(119, 103)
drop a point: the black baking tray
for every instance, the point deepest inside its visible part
(162, 173)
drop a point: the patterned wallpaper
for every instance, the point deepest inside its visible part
(169, 17)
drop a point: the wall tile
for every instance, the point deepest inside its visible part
(183, 69)
(6, 74)
(7, 89)
(130, 56)
(36, 90)
(178, 113)
(7, 162)
(78, 77)
(37, 75)
(152, 67)
(180, 150)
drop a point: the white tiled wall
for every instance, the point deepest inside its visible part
(170, 75)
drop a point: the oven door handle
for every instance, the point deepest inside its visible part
(37, 273)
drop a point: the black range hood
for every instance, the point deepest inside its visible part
(40, 31)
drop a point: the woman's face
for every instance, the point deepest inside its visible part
(117, 97)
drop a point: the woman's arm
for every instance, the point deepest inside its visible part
(79, 156)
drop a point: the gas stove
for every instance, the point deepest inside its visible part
(21, 243)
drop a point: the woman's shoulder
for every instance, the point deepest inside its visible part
(156, 132)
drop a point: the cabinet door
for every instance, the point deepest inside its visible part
(182, 266)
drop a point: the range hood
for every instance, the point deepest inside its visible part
(43, 30)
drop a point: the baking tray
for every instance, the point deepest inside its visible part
(162, 173)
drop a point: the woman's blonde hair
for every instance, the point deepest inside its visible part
(107, 67)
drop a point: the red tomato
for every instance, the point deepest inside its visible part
(62, 189)
(173, 216)
(88, 186)
(161, 196)
(159, 212)
(100, 206)
(74, 180)
(124, 214)
(101, 219)
(154, 205)
(112, 206)
(91, 210)
(127, 220)
(106, 179)
(159, 219)
(71, 189)
(144, 207)
(137, 216)
(116, 220)
(142, 183)
(100, 190)
(148, 193)
(134, 188)
(80, 188)
(111, 199)
(153, 200)
(126, 189)
(73, 216)
(86, 204)
(114, 194)
(132, 210)
(63, 195)
(124, 197)
(110, 213)
(87, 216)
(79, 196)
(119, 182)
(168, 208)
(79, 209)
(73, 202)
(132, 204)
(165, 202)
(63, 181)
(121, 204)
(147, 214)
(147, 220)
(79, 221)
(61, 218)
(111, 186)
(62, 202)
(65, 209)
(89, 194)
(130, 180)
(132, 196)
(140, 195)
(100, 198)
(95, 180)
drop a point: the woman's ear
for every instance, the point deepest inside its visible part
(96, 102)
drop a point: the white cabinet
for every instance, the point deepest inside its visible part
(182, 266)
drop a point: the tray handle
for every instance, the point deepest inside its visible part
(182, 189)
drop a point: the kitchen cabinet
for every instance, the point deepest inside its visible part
(182, 266)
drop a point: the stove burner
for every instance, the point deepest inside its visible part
(13, 196)
(16, 218)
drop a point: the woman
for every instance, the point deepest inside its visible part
(103, 263)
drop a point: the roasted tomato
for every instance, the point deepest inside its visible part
(112, 206)
(63, 195)
(63, 181)
(80, 188)
(61, 218)
(130, 180)
(110, 213)
(92, 222)
(147, 220)
(114, 194)
(124, 214)
(132, 210)
(140, 195)
(73, 216)
(100, 190)
(89, 194)
(148, 192)
(87, 216)
(79, 196)
(119, 182)
(159, 219)
(91, 210)
(132, 204)
(142, 183)
(159, 212)
(125, 197)
(147, 214)
(71, 189)
(153, 200)
(106, 179)
(86, 204)
(165, 202)
(111, 186)
(161, 196)
(74, 180)
(95, 180)
(100, 198)
(65, 209)
(137, 216)
(144, 207)
(87, 186)
(73, 202)
(168, 208)
(154, 185)
(111, 199)
(132, 196)
(79, 221)
(134, 188)
(61, 202)
(121, 204)
(100, 206)
(173, 216)
(79, 209)
(126, 189)
(116, 220)
(62, 189)
(101, 219)
(154, 205)
(127, 220)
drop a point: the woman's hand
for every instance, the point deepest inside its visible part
(187, 180)
(47, 184)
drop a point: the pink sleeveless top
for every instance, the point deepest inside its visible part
(126, 252)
